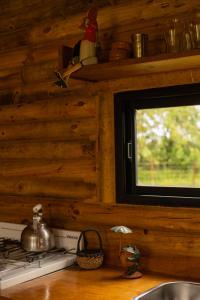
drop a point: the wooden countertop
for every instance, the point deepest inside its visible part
(72, 284)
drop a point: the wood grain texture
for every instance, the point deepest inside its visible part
(168, 238)
(161, 219)
(51, 187)
(110, 17)
(33, 49)
(53, 150)
(18, 14)
(142, 66)
(49, 148)
(69, 107)
(98, 284)
(57, 146)
(34, 92)
(106, 156)
(69, 170)
(63, 130)
(158, 232)
(10, 79)
(118, 21)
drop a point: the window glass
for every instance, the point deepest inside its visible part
(168, 146)
(157, 139)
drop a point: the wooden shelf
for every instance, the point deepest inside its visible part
(140, 66)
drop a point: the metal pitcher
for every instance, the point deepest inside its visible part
(37, 237)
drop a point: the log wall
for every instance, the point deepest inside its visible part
(48, 148)
(57, 146)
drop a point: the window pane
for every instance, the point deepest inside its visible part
(168, 146)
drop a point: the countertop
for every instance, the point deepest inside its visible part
(73, 284)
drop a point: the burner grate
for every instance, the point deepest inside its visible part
(18, 265)
(2, 243)
(10, 250)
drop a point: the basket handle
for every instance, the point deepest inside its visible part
(85, 240)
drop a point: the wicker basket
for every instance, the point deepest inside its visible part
(89, 259)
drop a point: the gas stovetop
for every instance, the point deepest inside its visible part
(18, 265)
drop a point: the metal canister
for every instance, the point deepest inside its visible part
(140, 41)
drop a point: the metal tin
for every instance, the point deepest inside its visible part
(140, 41)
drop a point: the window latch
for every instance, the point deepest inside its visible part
(129, 150)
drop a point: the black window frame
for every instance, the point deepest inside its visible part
(124, 105)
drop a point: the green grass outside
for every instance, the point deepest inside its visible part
(168, 177)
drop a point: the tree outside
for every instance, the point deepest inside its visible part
(168, 146)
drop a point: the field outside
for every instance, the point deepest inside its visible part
(168, 177)
(168, 146)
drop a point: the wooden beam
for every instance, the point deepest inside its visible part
(140, 66)
(106, 156)
(70, 170)
(111, 16)
(47, 150)
(69, 107)
(45, 187)
(61, 130)
(18, 14)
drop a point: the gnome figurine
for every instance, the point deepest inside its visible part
(84, 52)
(129, 257)
(88, 42)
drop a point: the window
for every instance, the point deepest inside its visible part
(157, 134)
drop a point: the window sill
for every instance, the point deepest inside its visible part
(155, 200)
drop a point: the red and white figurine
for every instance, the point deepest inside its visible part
(88, 43)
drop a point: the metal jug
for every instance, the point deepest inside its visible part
(37, 237)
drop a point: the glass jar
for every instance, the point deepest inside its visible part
(195, 30)
(172, 37)
(186, 36)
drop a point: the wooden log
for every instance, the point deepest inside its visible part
(106, 155)
(55, 27)
(41, 71)
(14, 39)
(174, 232)
(10, 80)
(45, 187)
(57, 109)
(143, 66)
(159, 219)
(43, 53)
(47, 150)
(154, 80)
(6, 97)
(57, 130)
(13, 18)
(8, 9)
(173, 247)
(156, 43)
(15, 24)
(153, 218)
(112, 16)
(8, 72)
(35, 92)
(14, 58)
(70, 169)
(23, 205)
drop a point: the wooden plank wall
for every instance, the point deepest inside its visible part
(57, 147)
(48, 148)
(31, 34)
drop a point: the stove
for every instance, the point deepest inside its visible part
(18, 265)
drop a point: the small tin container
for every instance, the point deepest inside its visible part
(140, 43)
